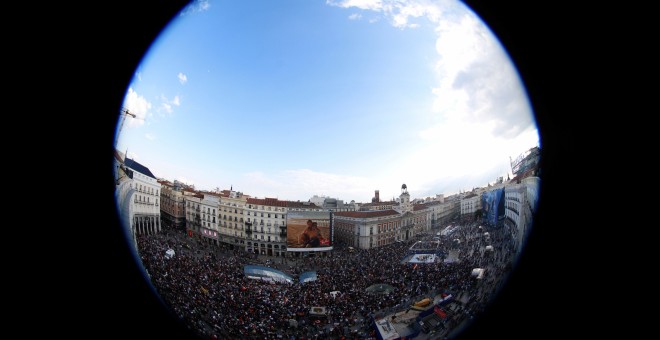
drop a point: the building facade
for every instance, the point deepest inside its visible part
(442, 213)
(193, 213)
(521, 198)
(172, 205)
(469, 206)
(333, 204)
(368, 229)
(209, 230)
(145, 208)
(231, 214)
(265, 226)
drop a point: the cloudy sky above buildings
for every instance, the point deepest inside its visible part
(338, 98)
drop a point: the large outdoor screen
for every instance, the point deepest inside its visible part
(493, 206)
(309, 231)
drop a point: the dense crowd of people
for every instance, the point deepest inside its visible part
(206, 286)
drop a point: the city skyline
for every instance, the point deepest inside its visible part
(336, 98)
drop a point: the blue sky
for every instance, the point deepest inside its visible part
(295, 98)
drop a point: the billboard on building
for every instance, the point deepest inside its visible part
(492, 203)
(309, 231)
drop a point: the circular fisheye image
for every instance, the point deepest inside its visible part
(327, 169)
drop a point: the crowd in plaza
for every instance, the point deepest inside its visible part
(205, 285)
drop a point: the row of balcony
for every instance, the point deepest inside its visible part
(142, 191)
(248, 238)
(513, 198)
(514, 210)
(250, 231)
(145, 203)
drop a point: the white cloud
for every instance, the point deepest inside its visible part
(476, 81)
(361, 4)
(196, 6)
(403, 12)
(141, 107)
(399, 12)
(137, 105)
(166, 107)
(355, 16)
(168, 104)
(176, 101)
(480, 113)
(182, 78)
(150, 136)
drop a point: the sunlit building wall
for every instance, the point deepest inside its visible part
(209, 217)
(265, 226)
(367, 229)
(172, 205)
(231, 219)
(469, 206)
(377, 228)
(145, 207)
